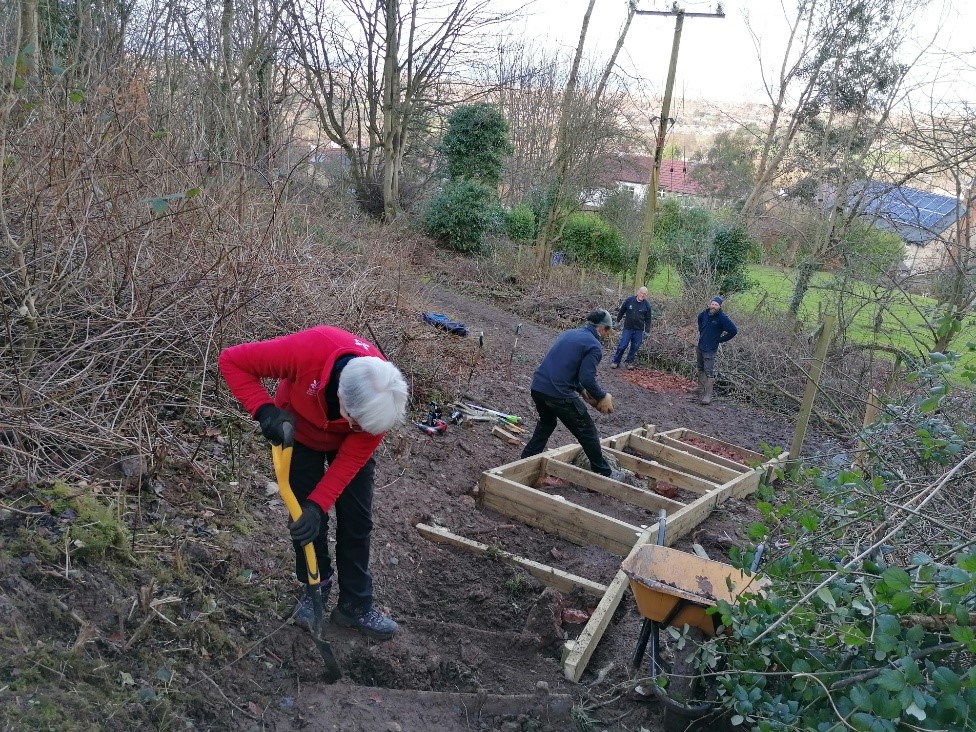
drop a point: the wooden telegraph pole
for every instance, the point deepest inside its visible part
(647, 234)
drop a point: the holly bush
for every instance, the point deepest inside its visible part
(521, 224)
(462, 214)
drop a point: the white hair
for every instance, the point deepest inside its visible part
(373, 393)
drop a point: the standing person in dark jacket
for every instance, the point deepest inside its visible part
(714, 327)
(635, 313)
(341, 396)
(567, 376)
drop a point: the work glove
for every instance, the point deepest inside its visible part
(271, 420)
(589, 398)
(605, 405)
(306, 528)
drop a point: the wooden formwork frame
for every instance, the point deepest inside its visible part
(660, 456)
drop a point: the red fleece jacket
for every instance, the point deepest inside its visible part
(302, 363)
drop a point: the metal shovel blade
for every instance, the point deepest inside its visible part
(333, 672)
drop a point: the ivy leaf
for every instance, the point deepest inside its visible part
(737, 720)
(77, 96)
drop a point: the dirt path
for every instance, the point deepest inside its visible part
(470, 626)
(480, 641)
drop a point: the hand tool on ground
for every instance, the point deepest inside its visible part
(281, 457)
(507, 417)
(513, 428)
(434, 424)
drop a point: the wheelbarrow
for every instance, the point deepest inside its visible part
(674, 588)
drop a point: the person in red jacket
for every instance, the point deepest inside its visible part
(341, 395)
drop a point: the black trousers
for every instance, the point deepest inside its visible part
(572, 413)
(354, 524)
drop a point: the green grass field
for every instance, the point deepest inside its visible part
(900, 322)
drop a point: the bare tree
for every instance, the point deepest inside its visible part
(529, 86)
(374, 73)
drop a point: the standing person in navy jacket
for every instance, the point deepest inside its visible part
(635, 314)
(341, 396)
(714, 327)
(567, 376)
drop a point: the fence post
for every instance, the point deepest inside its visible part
(813, 384)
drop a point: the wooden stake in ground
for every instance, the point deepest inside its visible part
(813, 384)
(870, 412)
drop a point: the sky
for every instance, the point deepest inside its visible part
(718, 59)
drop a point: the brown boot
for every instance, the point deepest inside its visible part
(709, 383)
(700, 389)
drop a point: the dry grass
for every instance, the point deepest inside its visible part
(117, 302)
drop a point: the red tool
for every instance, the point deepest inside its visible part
(433, 425)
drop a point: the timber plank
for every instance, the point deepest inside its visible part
(574, 523)
(562, 581)
(744, 452)
(682, 460)
(702, 453)
(609, 487)
(677, 525)
(663, 472)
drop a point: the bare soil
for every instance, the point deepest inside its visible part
(204, 645)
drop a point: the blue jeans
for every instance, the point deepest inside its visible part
(633, 338)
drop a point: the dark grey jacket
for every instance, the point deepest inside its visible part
(635, 314)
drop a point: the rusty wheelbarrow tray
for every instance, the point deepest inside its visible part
(672, 587)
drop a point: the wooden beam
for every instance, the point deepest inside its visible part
(550, 576)
(685, 461)
(743, 452)
(703, 454)
(558, 516)
(677, 525)
(662, 472)
(609, 487)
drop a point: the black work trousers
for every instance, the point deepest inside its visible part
(572, 413)
(354, 524)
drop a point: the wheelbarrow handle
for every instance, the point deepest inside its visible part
(281, 457)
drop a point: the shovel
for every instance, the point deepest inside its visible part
(281, 456)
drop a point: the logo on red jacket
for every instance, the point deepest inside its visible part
(364, 346)
(313, 387)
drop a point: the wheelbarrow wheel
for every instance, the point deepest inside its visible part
(688, 698)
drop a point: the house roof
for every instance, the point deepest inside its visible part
(637, 169)
(916, 216)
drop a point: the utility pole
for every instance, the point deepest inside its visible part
(647, 235)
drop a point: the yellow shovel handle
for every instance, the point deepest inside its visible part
(281, 457)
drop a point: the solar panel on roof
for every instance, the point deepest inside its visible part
(917, 216)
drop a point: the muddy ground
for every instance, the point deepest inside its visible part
(479, 646)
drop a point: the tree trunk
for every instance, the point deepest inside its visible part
(552, 226)
(805, 274)
(391, 98)
(29, 36)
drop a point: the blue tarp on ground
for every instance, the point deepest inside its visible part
(440, 320)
